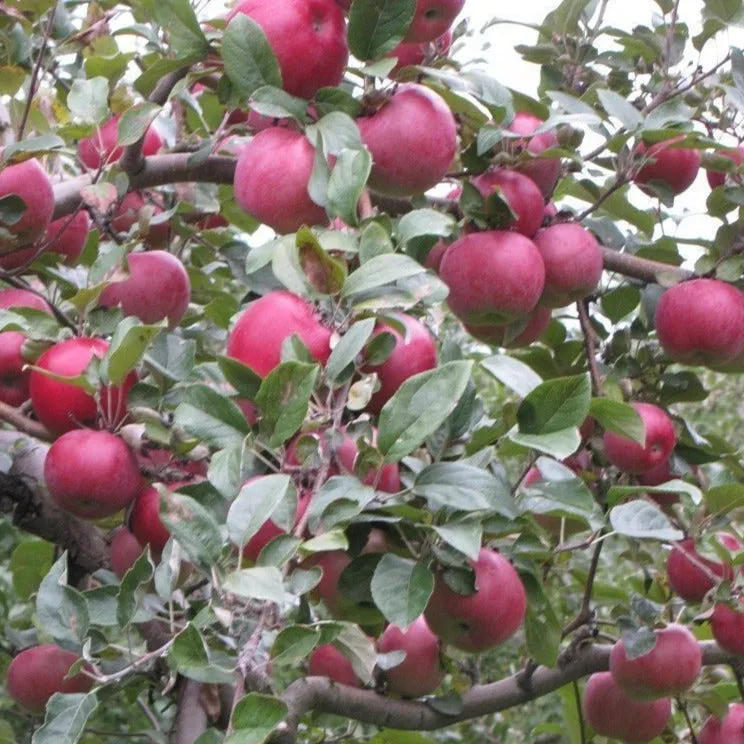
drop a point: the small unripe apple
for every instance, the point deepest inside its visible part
(701, 322)
(631, 457)
(670, 668)
(308, 38)
(522, 194)
(271, 181)
(716, 178)
(499, 335)
(421, 672)
(486, 618)
(91, 474)
(61, 406)
(124, 550)
(727, 624)
(257, 336)
(157, 288)
(410, 54)
(692, 575)
(433, 18)
(413, 140)
(37, 673)
(732, 726)
(543, 171)
(415, 351)
(611, 713)
(101, 147)
(493, 277)
(675, 168)
(28, 181)
(573, 263)
(328, 661)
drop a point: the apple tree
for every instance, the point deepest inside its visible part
(349, 394)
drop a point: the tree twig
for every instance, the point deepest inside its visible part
(24, 424)
(589, 345)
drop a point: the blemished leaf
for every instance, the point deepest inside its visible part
(256, 503)
(380, 270)
(88, 99)
(128, 347)
(619, 108)
(378, 26)
(349, 347)
(620, 418)
(322, 273)
(211, 417)
(346, 184)
(249, 60)
(557, 404)
(255, 717)
(283, 398)
(419, 407)
(62, 610)
(66, 718)
(516, 375)
(643, 521)
(262, 583)
(401, 589)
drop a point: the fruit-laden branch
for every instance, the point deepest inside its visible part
(323, 696)
(160, 170)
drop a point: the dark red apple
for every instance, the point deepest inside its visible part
(493, 277)
(28, 181)
(543, 171)
(716, 178)
(328, 661)
(498, 335)
(690, 574)
(101, 147)
(673, 167)
(701, 322)
(433, 18)
(434, 257)
(727, 623)
(124, 550)
(520, 192)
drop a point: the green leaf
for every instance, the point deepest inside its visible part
(374, 241)
(62, 610)
(348, 348)
(130, 595)
(620, 302)
(135, 122)
(619, 108)
(66, 717)
(211, 417)
(190, 656)
(29, 564)
(516, 375)
(12, 208)
(339, 499)
(620, 418)
(185, 34)
(334, 133)
(541, 627)
(358, 648)
(346, 184)
(127, 348)
(466, 537)
(381, 270)
(88, 99)
(261, 583)
(401, 589)
(422, 222)
(419, 407)
(240, 376)
(294, 643)
(643, 521)
(32, 146)
(171, 356)
(279, 551)
(724, 498)
(727, 11)
(378, 26)
(249, 60)
(256, 503)
(617, 493)
(557, 404)
(278, 104)
(255, 717)
(225, 470)
(558, 444)
(11, 80)
(283, 398)
(388, 736)
(332, 540)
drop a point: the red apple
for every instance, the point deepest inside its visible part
(37, 673)
(486, 618)
(61, 406)
(124, 550)
(410, 54)
(711, 733)
(421, 672)
(11, 297)
(631, 457)
(520, 192)
(573, 263)
(162, 462)
(690, 574)
(101, 147)
(716, 178)
(328, 661)
(728, 627)
(701, 322)
(413, 140)
(158, 287)
(655, 477)
(308, 38)
(415, 351)
(257, 336)
(673, 167)
(499, 335)
(28, 181)
(611, 713)
(670, 668)
(333, 564)
(387, 478)
(493, 277)
(434, 257)
(433, 18)
(732, 727)
(543, 171)
(271, 181)
(127, 214)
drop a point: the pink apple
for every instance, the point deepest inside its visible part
(124, 550)
(656, 477)
(386, 478)
(28, 181)
(691, 575)
(520, 192)
(101, 147)
(711, 733)
(433, 18)
(732, 727)
(328, 661)
(716, 178)
(543, 171)
(673, 167)
(727, 623)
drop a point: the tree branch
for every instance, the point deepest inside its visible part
(23, 423)
(191, 720)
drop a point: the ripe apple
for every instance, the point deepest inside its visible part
(415, 351)
(435, 255)
(12, 297)
(543, 171)
(411, 54)
(346, 454)
(655, 477)
(486, 618)
(421, 672)
(91, 474)
(333, 564)
(673, 167)
(498, 335)
(413, 140)
(124, 550)
(522, 194)
(716, 178)
(61, 406)
(728, 627)
(690, 574)
(271, 181)
(29, 181)
(433, 18)
(732, 727)
(101, 147)
(670, 668)
(37, 673)
(308, 38)
(711, 733)
(701, 322)
(493, 277)
(257, 336)
(328, 661)
(158, 287)
(611, 713)
(127, 213)
(573, 263)
(661, 438)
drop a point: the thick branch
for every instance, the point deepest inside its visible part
(191, 720)
(23, 423)
(323, 696)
